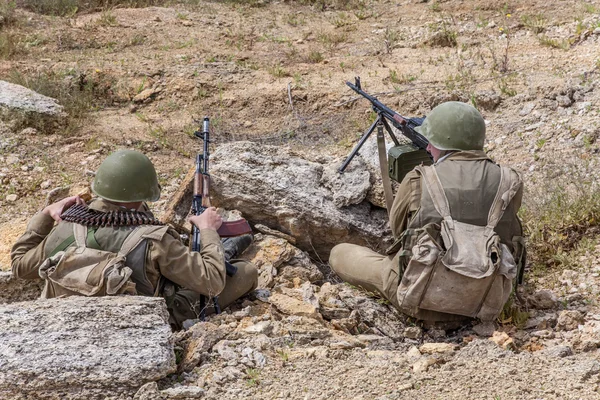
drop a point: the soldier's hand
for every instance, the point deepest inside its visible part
(56, 209)
(209, 219)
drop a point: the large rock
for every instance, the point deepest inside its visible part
(30, 108)
(83, 348)
(275, 187)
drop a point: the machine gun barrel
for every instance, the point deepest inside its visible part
(405, 125)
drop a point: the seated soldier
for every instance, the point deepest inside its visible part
(470, 181)
(161, 262)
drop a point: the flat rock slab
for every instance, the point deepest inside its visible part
(31, 108)
(83, 348)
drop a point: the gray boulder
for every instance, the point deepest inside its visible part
(29, 108)
(275, 187)
(83, 348)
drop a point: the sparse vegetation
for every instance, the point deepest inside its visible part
(536, 23)
(443, 34)
(9, 45)
(561, 223)
(7, 13)
(390, 39)
(70, 7)
(563, 44)
(252, 377)
(78, 92)
(315, 57)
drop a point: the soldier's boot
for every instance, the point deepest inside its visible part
(235, 246)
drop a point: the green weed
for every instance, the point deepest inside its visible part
(252, 377)
(536, 23)
(315, 57)
(563, 44)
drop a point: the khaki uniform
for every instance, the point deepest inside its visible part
(202, 273)
(470, 180)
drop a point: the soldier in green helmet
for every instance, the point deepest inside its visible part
(472, 185)
(157, 261)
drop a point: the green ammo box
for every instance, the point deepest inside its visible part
(402, 159)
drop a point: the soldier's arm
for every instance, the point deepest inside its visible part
(202, 272)
(28, 252)
(406, 202)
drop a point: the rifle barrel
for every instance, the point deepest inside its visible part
(405, 125)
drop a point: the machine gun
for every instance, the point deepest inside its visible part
(201, 201)
(402, 158)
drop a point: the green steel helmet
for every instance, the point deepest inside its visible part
(126, 176)
(454, 126)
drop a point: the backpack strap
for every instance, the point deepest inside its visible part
(436, 191)
(139, 234)
(510, 182)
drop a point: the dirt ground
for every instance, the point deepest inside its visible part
(275, 72)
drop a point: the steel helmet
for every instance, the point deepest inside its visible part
(126, 176)
(454, 126)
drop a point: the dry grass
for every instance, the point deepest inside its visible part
(70, 7)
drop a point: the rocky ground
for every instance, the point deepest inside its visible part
(272, 73)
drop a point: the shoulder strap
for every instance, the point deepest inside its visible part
(510, 182)
(139, 234)
(80, 235)
(436, 190)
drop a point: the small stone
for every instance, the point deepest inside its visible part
(45, 184)
(413, 353)
(569, 320)
(263, 327)
(12, 159)
(11, 198)
(485, 329)
(24, 168)
(564, 101)
(527, 109)
(502, 340)
(559, 351)
(423, 364)
(437, 348)
(144, 95)
(183, 392)
(544, 299)
(413, 332)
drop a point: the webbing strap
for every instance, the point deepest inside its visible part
(436, 190)
(508, 187)
(383, 165)
(139, 234)
(90, 241)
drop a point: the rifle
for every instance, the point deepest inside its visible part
(201, 201)
(402, 157)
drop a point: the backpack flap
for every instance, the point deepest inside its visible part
(83, 271)
(89, 273)
(471, 250)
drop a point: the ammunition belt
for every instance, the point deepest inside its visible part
(81, 214)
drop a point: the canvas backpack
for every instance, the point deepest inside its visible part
(459, 268)
(84, 271)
